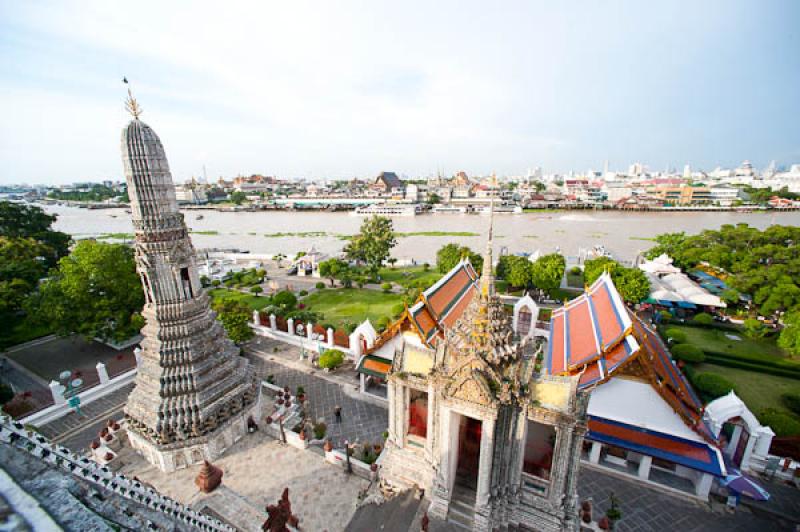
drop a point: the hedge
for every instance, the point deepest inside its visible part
(676, 335)
(751, 365)
(687, 353)
(712, 385)
(703, 318)
(792, 402)
(781, 423)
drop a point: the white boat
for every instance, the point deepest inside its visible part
(499, 209)
(449, 209)
(384, 209)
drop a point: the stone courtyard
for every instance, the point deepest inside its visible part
(256, 471)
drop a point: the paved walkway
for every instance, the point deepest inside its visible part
(76, 432)
(647, 509)
(256, 471)
(361, 421)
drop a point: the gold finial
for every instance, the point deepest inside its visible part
(131, 105)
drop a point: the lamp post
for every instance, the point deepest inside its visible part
(71, 387)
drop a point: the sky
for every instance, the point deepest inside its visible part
(344, 89)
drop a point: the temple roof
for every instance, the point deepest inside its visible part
(597, 337)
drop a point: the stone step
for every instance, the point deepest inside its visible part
(459, 519)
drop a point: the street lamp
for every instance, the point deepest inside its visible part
(71, 387)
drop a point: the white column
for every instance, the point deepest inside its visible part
(748, 451)
(256, 317)
(58, 393)
(309, 330)
(290, 326)
(644, 467)
(485, 462)
(273, 322)
(102, 373)
(362, 379)
(703, 486)
(137, 353)
(764, 437)
(594, 454)
(330, 337)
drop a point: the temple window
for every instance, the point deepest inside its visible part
(539, 445)
(187, 283)
(417, 415)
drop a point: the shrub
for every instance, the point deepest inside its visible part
(204, 280)
(386, 287)
(703, 318)
(575, 270)
(426, 267)
(754, 328)
(792, 402)
(398, 309)
(331, 359)
(780, 422)
(676, 335)
(303, 293)
(256, 289)
(666, 316)
(285, 300)
(688, 353)
(320, 286)
(301, 390)
(216, 282)
(712, 385)
(319, 430)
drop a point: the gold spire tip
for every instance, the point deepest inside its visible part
(131, 105)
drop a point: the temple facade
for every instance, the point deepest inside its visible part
(472, 422)
(193, 391)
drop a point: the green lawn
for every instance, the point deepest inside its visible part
(764, 349)
(757, 390)
(409, 275)
(352, 305)
(251, 300)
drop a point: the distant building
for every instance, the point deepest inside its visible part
(387, 183)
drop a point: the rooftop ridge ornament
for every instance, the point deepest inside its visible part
(487, 278)
(131, 105)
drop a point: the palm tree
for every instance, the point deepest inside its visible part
(278, 258)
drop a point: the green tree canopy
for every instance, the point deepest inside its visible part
(95, 292)
(450, 254)
(333, 269)
(631, 283)
(515, 269)
(18, 220)
(790, 335)
(547, 271)
(373, 244)
(238, 197)
(235, 318)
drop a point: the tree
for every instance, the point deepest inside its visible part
(790, 335)
(22, 264)
(235, 319)
(547, 271)
(373, 244)
(703, 318)
(238, 197)
(95, 292)
(332, 268)
(450, 254)
(256, 289)
(434, 198)
(731, 296)
(516, 270)
(278, 258)
(631, 283)
(18, 220)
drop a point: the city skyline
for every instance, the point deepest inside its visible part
(300, 91)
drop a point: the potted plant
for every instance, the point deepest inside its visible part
(301, 394)
(613, 514)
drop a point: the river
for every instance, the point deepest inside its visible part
(624, 234)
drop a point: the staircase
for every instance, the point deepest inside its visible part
(461, 511)
(402, 469)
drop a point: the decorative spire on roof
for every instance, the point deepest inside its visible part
(131, 105)
(487, 277)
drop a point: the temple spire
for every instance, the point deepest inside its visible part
(131, 105)
(487, 277)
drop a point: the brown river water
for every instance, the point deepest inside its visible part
(624, 234)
